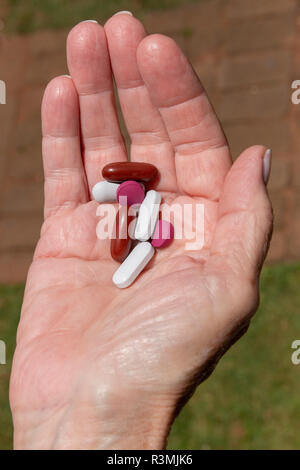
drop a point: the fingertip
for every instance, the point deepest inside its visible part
(166, 71)
(83, 39)
(82, 31)
(256, 160)
(60, 107)
(82, 36)
(59, 90)
(250, 161)
(123, 30)
(154, 46)
(244, 184)
(255, 151)
(124, 12)
(124, 33)
(86, 48)
(122, 22)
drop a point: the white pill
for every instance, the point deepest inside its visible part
(133, 211)
(131, 228)
(104, 191)
(133, 265)
(148, 215)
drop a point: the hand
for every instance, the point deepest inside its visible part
(100, 367)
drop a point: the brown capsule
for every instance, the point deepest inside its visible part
(123, 171)
(121, 244)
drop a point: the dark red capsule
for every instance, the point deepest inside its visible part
(123, 171)
(120, 245)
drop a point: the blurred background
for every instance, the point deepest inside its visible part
(247, 54)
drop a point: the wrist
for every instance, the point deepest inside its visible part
(126, 423)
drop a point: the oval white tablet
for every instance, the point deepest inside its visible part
(148, 216)
(105, 191)
(133, 265)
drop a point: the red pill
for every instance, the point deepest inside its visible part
(163, 234)
(123, 171)
(120, 245)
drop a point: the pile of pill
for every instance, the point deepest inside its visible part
(126, 183)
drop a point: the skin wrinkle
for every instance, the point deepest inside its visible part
(107, 120)
(54, 327)
(150, 120)
(60, 284)
(44, 388)
(36, 429)
(67, 205)
(62, 173)
(145, 133)
(204, 112)
(180, 102)
(177, 100)
(96, 144)
(38, 337)
(96, 92)
(58, 137)
(155, 305)
(130, 86)
(253, 222)
(205, 143)
(197, 147)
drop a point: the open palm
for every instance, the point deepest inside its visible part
(100, 367)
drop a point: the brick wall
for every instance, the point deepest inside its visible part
(246, 53)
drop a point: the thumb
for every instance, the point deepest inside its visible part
(244, 226)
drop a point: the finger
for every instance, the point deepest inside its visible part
(89, 65)
(245, 218)
(149, 139)
(202, 156)
(65, 181)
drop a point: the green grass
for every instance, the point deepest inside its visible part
(252, 399)
(10, 305)
(24, 16)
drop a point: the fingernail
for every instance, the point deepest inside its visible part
(89, 21)
(67, 76)
(267, 165)
(124, 12)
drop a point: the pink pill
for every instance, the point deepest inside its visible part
(163, 234)
(129, 193)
